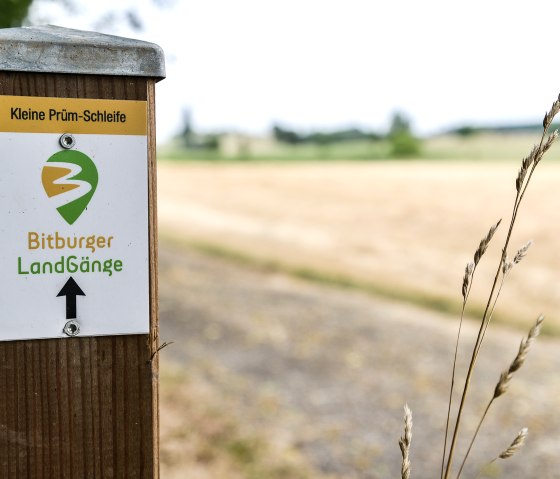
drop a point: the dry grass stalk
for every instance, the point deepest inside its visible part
(467, 283)
(525, 165)
(522, 252)
(404, 443)
(505, 378)
(485, 242)
(465, 290)
(511, 450)
(524, 348)
(504, 266)
(469, 269)
(551, 139)
(515, 445)
(549, 116)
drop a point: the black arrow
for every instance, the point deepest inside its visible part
(71, 290)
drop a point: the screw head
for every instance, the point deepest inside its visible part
(67, 141)
(71, 328)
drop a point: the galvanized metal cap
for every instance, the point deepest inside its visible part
(52, 49)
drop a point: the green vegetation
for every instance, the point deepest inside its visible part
(283, 143)
(477, 146)
(351, 150)
(432, 301)
(354, 144)
(14, 12)
(292, 137)
(403, 143)
(489, 146)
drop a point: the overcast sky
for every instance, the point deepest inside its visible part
(244, 64)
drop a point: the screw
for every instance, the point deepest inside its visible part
(67, 141)
(71, 328)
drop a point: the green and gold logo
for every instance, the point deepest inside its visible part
(71, 177)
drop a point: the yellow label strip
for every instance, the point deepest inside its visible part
(28, 114)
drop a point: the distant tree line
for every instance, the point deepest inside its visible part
(292, 137)
(402, 141)
(469, 130)
(400, 138)
(193, 140)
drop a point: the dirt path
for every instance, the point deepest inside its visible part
(328, 371)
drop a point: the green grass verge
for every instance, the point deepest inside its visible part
(324, 277)
(478, 147)
(328, 278)
(355, 150)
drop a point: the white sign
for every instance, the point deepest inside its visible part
(74, 252)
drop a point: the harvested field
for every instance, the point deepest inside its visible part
(283, 379)
(400, 229)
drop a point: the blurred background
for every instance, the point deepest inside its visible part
(326, 170)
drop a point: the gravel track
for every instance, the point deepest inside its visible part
(329, 370)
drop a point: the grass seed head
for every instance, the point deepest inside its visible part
(485, 242)
(404, 443)
(515, 445)
(507, 265)
(469, 269)
(525, 165)
(522, 252)
(549, 115)
(524, 347)
(550, 141)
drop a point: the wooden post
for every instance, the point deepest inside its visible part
(83, 406)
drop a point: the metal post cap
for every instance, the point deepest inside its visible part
(52, 49)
